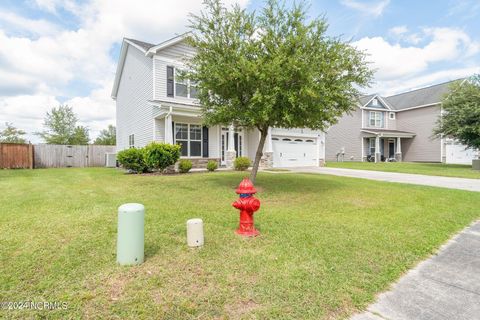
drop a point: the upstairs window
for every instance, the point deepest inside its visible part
(376, 119)
(178, 85)
(391, 115)
(375, 102)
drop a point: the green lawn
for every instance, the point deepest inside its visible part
(431, 169)
(328, 244)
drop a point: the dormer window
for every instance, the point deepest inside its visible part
(375, 102)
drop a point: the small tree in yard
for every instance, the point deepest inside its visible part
(461, 117)
(11, 134)
(107, 136)
(272, 69)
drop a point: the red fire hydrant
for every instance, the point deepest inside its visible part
(247, 204)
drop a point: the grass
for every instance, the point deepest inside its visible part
(430, 169)
(328, 244)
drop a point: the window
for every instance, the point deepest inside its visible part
(193, 89)
(286, 139)
(372, 145)
(131, 141)
(376, 119)
(391, 115)
(309, 140)
(189, 137)
(375, 102)
(170, 81)
(183, 87)
(275, 139)
(298, 140)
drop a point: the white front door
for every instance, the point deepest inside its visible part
(238, 140)
(294, 152)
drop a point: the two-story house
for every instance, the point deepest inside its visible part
(396, 127)
(154, 104)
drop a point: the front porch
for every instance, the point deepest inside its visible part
(179, 124)
(383, 145)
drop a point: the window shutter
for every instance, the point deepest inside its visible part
(205, 141)
(170, 81)
(173, 132)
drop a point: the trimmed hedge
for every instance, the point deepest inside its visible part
(241, 163)
(160, 156)
(133, 160)
(184, 165)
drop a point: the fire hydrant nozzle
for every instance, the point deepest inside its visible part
(248, 205)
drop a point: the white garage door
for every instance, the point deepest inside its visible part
(456, 153)
(294, 152)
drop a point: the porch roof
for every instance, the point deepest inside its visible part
(389, 133)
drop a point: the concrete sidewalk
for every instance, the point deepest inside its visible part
(446, 286)
(434, 181)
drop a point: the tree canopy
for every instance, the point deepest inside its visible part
(461, 113)
(274, 68)
(62, 128)
(107, 136)
(11, 134)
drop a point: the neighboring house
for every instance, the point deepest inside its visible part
(397, 127)
(153, 104)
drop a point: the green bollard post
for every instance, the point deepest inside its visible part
(130, 237)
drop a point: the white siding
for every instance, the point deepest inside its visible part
(160, 130)
(134, 114)
(179, 51)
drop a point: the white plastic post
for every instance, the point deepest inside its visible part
(195, 233)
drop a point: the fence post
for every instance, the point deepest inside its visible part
(30, 155)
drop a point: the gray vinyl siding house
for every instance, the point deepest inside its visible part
(398, 127)
(153, 104)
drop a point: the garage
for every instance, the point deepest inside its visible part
(294, 151)
(457, 154)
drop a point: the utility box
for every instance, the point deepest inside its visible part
(110, 160)
(131, 234)
(476, 164)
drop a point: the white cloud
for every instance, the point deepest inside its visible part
(399, 30)
(39, 65)
(374, 8)
(393, 60)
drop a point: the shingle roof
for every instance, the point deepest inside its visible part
(424, 96)
(144, 45)
(364, 99)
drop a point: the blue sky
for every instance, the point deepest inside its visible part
(65, 51)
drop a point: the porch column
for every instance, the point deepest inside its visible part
(378, 156)
(231, 153)
(398, 154)
(267, 157)
(168, 129)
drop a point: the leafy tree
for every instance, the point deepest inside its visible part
(107, 136)
(62, 127)
(272, 69)
(11, 134)
(461, 117)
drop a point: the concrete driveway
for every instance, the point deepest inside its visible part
(446, 286)
(433, 181)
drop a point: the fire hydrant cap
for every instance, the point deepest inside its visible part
(246, 187)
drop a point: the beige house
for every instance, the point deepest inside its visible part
(398, 127)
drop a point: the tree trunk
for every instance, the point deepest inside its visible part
(259, 154)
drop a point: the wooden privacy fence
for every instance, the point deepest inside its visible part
(16, 156)
(60, 156)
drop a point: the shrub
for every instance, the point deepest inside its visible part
(184, 165)
(160, 156)
(212, 165)
(241, 163)
(133, 160)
